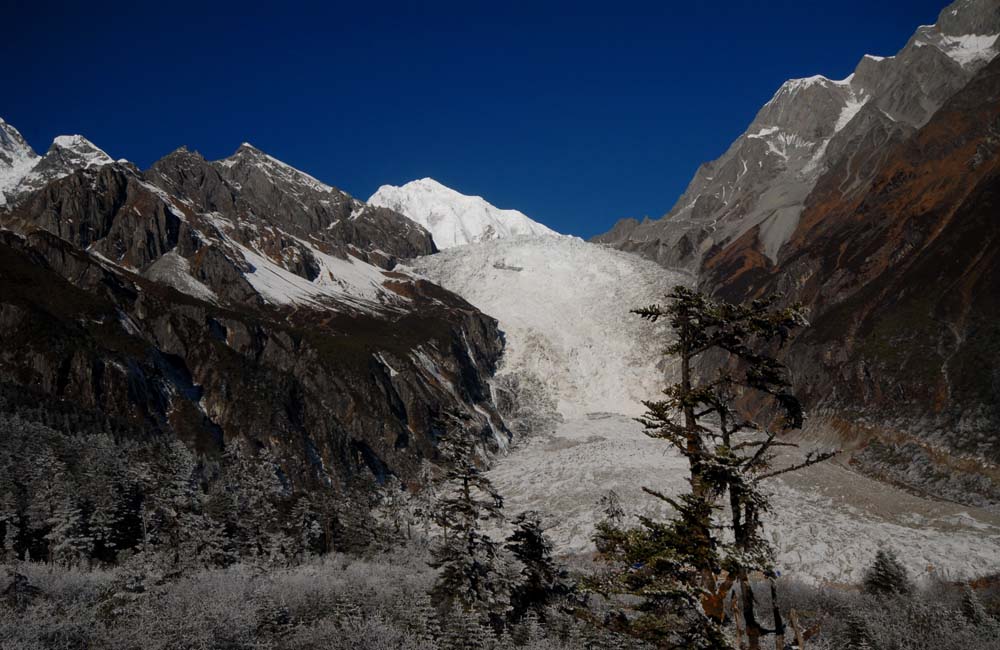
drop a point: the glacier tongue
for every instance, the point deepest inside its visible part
(563, 305)
(452, 218)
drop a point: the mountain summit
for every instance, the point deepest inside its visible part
(452, 218)
(22, 171)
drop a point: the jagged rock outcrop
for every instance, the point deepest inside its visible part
(241, 299)
(251, 185)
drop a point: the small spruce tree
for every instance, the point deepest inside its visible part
(887, 576)
(471, 576)
(973, 610)
(540, 580)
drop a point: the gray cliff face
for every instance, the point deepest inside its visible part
(763, 180)
(241, 299)
(252, 189)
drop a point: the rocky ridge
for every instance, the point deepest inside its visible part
(240, 299)
(809, 127)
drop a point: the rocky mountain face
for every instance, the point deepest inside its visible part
(250, 185)
(809, 127)
(455, 219)
(903, 281)
(871, 200)
(240, 298)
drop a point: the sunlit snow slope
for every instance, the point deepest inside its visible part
(563, 305)
(453, 218)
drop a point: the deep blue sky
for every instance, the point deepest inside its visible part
(575, 113)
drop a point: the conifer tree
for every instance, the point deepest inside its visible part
(47, 487)
(395, 509)
(352, 528)
(105, 487)
(306, 528)
(68, 538)
(462, 630)
(245, 500)
(540, 579)
(425, 500)
(685, 562)
(10, 525)
(471, 564)
(887, 576)
(973, 610)
(858, 636)
(611, 508)
(424, 625)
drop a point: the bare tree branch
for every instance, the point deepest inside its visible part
(810, 460)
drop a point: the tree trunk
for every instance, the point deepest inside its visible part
(779, 625)
(695, 449)
(753, 629)
(714, 602)
(738, 619)
(799, 639)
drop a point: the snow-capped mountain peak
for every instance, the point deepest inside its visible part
(23, 171)
(13, 146)
(78, 152)
(453, 218)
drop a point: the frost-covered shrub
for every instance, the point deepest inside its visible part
(526, 403)
(929, 618)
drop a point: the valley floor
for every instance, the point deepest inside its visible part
(827, 524)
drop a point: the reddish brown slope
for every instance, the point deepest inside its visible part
(902, 278)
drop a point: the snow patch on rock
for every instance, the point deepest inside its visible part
(347, 281)
(175, 271)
